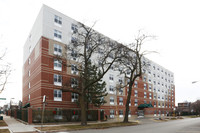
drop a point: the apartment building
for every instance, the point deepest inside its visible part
(44, 75)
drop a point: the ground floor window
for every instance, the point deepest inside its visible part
(112, 113)
(120, 113)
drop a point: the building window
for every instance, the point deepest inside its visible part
(169, 87)
(150, 88)
(74, 54)
(57, 65)
(111, 89)
(74, 28)
(74, 83)
(29, 85)
(145, 101)
(128, 72)
(74, 69)
(57, 34)
(154, 103)
(150, 96)
(144, 79)
(74, 97)
(135, 84)
(144, 71)
(163, 105)
(29, 97)
(57, 49)
(136, 93)
(154, 82)
(58, 114)
(111, 100)
(155, 113)
(145, 86)
(129, 113)
(162, 84)
(154, 96)
(136, 102)
(111, 78)
(120, 80)
(149, 72)
(120, 101)
(57, 95)
(120, 113)
(149, 80)
(29, 61)
(29, 73)
(145, 95)
(154, 89)
(58, 20)
(57, 80)
(30, 49)
(112, 113)
(74, 40)
(120, 91)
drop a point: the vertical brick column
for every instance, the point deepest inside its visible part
(30, 112)
(99, 115)
(9, 112)
(15, 114)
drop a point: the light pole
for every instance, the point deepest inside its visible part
(193, 82)
(11, 102)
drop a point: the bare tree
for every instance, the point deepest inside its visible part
(133, 62)
(5, 71)
(196, 107)
(89, 55)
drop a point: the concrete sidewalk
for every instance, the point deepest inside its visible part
(15, 126)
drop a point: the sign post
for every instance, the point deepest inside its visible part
(2, 98)
(44, 100)
(1, 117)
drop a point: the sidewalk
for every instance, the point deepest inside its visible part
(16, 126)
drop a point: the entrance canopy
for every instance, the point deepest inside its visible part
(145, 106)
(26, 105)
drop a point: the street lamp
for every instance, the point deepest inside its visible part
(193, 82)
(11, 102)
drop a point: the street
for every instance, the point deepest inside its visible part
(189, 125)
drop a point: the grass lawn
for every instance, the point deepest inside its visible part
(193, 116)
(4, 131)
(2, 123)
(89, 126)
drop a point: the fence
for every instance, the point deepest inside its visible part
(52, 115)
(62, 115)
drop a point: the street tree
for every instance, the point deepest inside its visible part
(196, 107)
(89, 55)
(5, 70)
(132, 63)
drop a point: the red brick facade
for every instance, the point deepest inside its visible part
(40, 63)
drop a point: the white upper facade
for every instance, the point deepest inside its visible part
(49, 22)
(57, 26)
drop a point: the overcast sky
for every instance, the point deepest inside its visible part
(176, 23)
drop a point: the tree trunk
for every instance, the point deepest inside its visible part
(127, 103)
(83, 111)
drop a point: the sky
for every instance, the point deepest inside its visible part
(175, 23)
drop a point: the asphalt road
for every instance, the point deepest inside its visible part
(189, 125)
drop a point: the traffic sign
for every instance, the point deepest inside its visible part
(2, 98)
